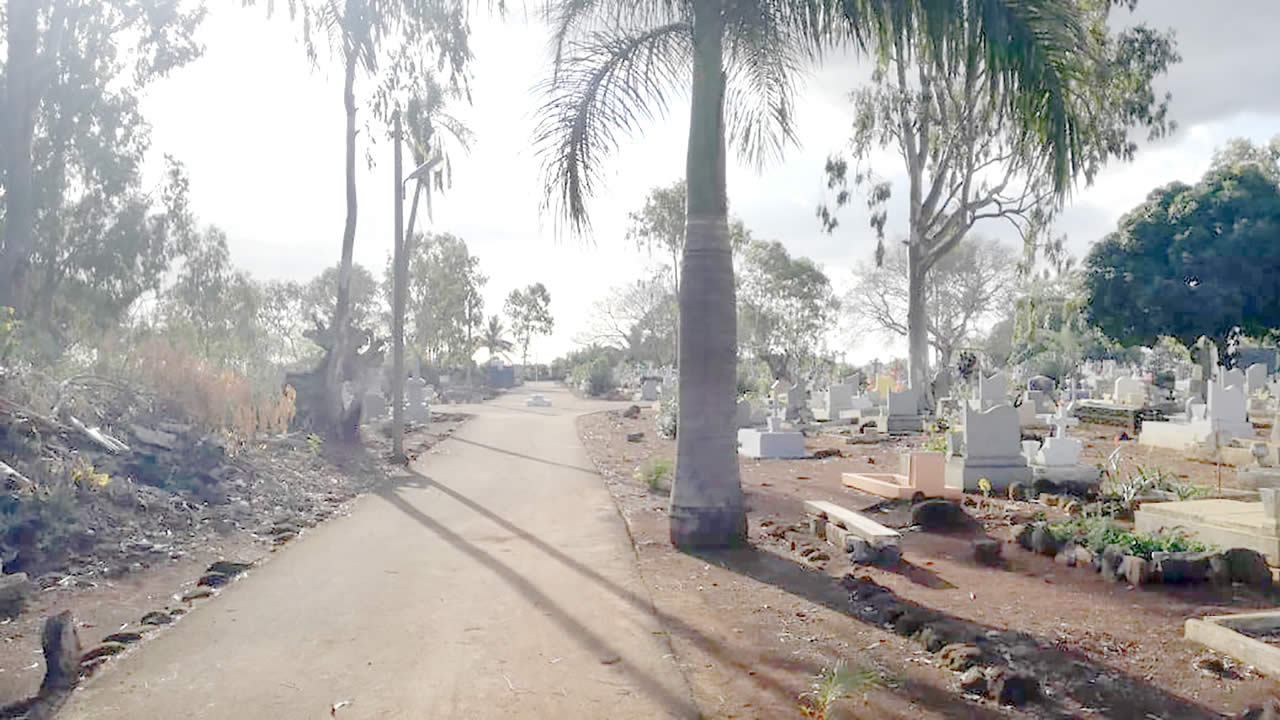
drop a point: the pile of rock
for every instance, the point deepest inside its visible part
(981, 656)
(1238, 565)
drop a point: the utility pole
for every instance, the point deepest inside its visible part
(399, 263)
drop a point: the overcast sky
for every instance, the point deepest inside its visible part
(261, 133)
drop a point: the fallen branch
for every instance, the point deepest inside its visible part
(103, 440)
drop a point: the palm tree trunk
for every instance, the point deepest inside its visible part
(19, 130)
(342, 309)
(707, 507)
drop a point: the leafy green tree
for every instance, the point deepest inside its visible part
(1191, 261)
(969, 287)
(964, 143)
(320, 298)
(445, 305)
(659, 226)
(785, 307)
(214, 303)
(617, 63)
(638, 318)
(530, 313)
(71, 129)
(495, 339)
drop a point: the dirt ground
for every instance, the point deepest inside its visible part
(105, 597)
(752, 627)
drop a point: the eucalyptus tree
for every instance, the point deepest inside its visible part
(72, 145)
(617, 65)
(395, 45)
(968, 159)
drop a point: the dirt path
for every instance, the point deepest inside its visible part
(495, 580)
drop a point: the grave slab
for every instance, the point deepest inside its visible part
(765, 445)
(1223, 634)
(856, 523)
(1218, 522)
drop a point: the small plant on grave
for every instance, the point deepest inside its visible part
(936, 440)
(656, 473)
(314, 443)
(83, 473)
(984, 487)
(832, 684)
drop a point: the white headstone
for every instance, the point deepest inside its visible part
(1255, 378)
(1233, 378)
(839, 398)
(416, 408)
(992, 435)
(993, 391)
(649, 390)
(1129, 391)
(1227, 409)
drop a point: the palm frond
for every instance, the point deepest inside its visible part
(1031, 48)
(768, 47)
(575, 19)
(609, 83)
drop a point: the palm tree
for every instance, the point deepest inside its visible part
(616, 64)
(494, 339)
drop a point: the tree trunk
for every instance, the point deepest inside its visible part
(19, 129)
(342, 309)
(675, 281)
(707, 507)
(399, 261)
(917, 324)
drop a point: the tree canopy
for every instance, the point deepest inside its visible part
(785, 307)
(1191, 261)
(529, 310)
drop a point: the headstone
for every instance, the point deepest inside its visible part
(904, 412)
(1041, 383)
(1039, 400)
(416, 408)
(795, 401)
(1255, 378)
(1233, 378)
(742, 418)
(942, 383)
(992, 450)
(1059, 450)
(884, 386)
(1227, 409)
(993, 391)
(1130, 392)
(372, 407)
(649, 390)
(839, 398)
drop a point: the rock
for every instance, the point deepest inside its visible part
(1219, 572)
(1112, 556)
(826, 453)
(283, 538)
(1269, 710)
(156, 618)
(889, 556)
(155, 438)
(934, 515)
(123, 638)
(818, 557)
(1248, 567)
(213, 580)
(974, 681)
(1135, 570)
(961, 656)
(1043, 542)
(632, 412)
(1181, 567)
(106, 649)
(1066, 557)
(228, 568)
(1084, 556)
(987, 551)
(1022, 533)
(283, 529)
(1017, 491)
(635, 437)
(860, 551)
(1044, 486)
(197, 595)
(931, 639)
(910, 622)
(15, 588)
(1009, 687)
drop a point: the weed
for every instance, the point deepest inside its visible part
(314, 443)
(656, 473)
(832, 684)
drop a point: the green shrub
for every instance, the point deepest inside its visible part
(657, 474)
(1096, 533)
(593, 378)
